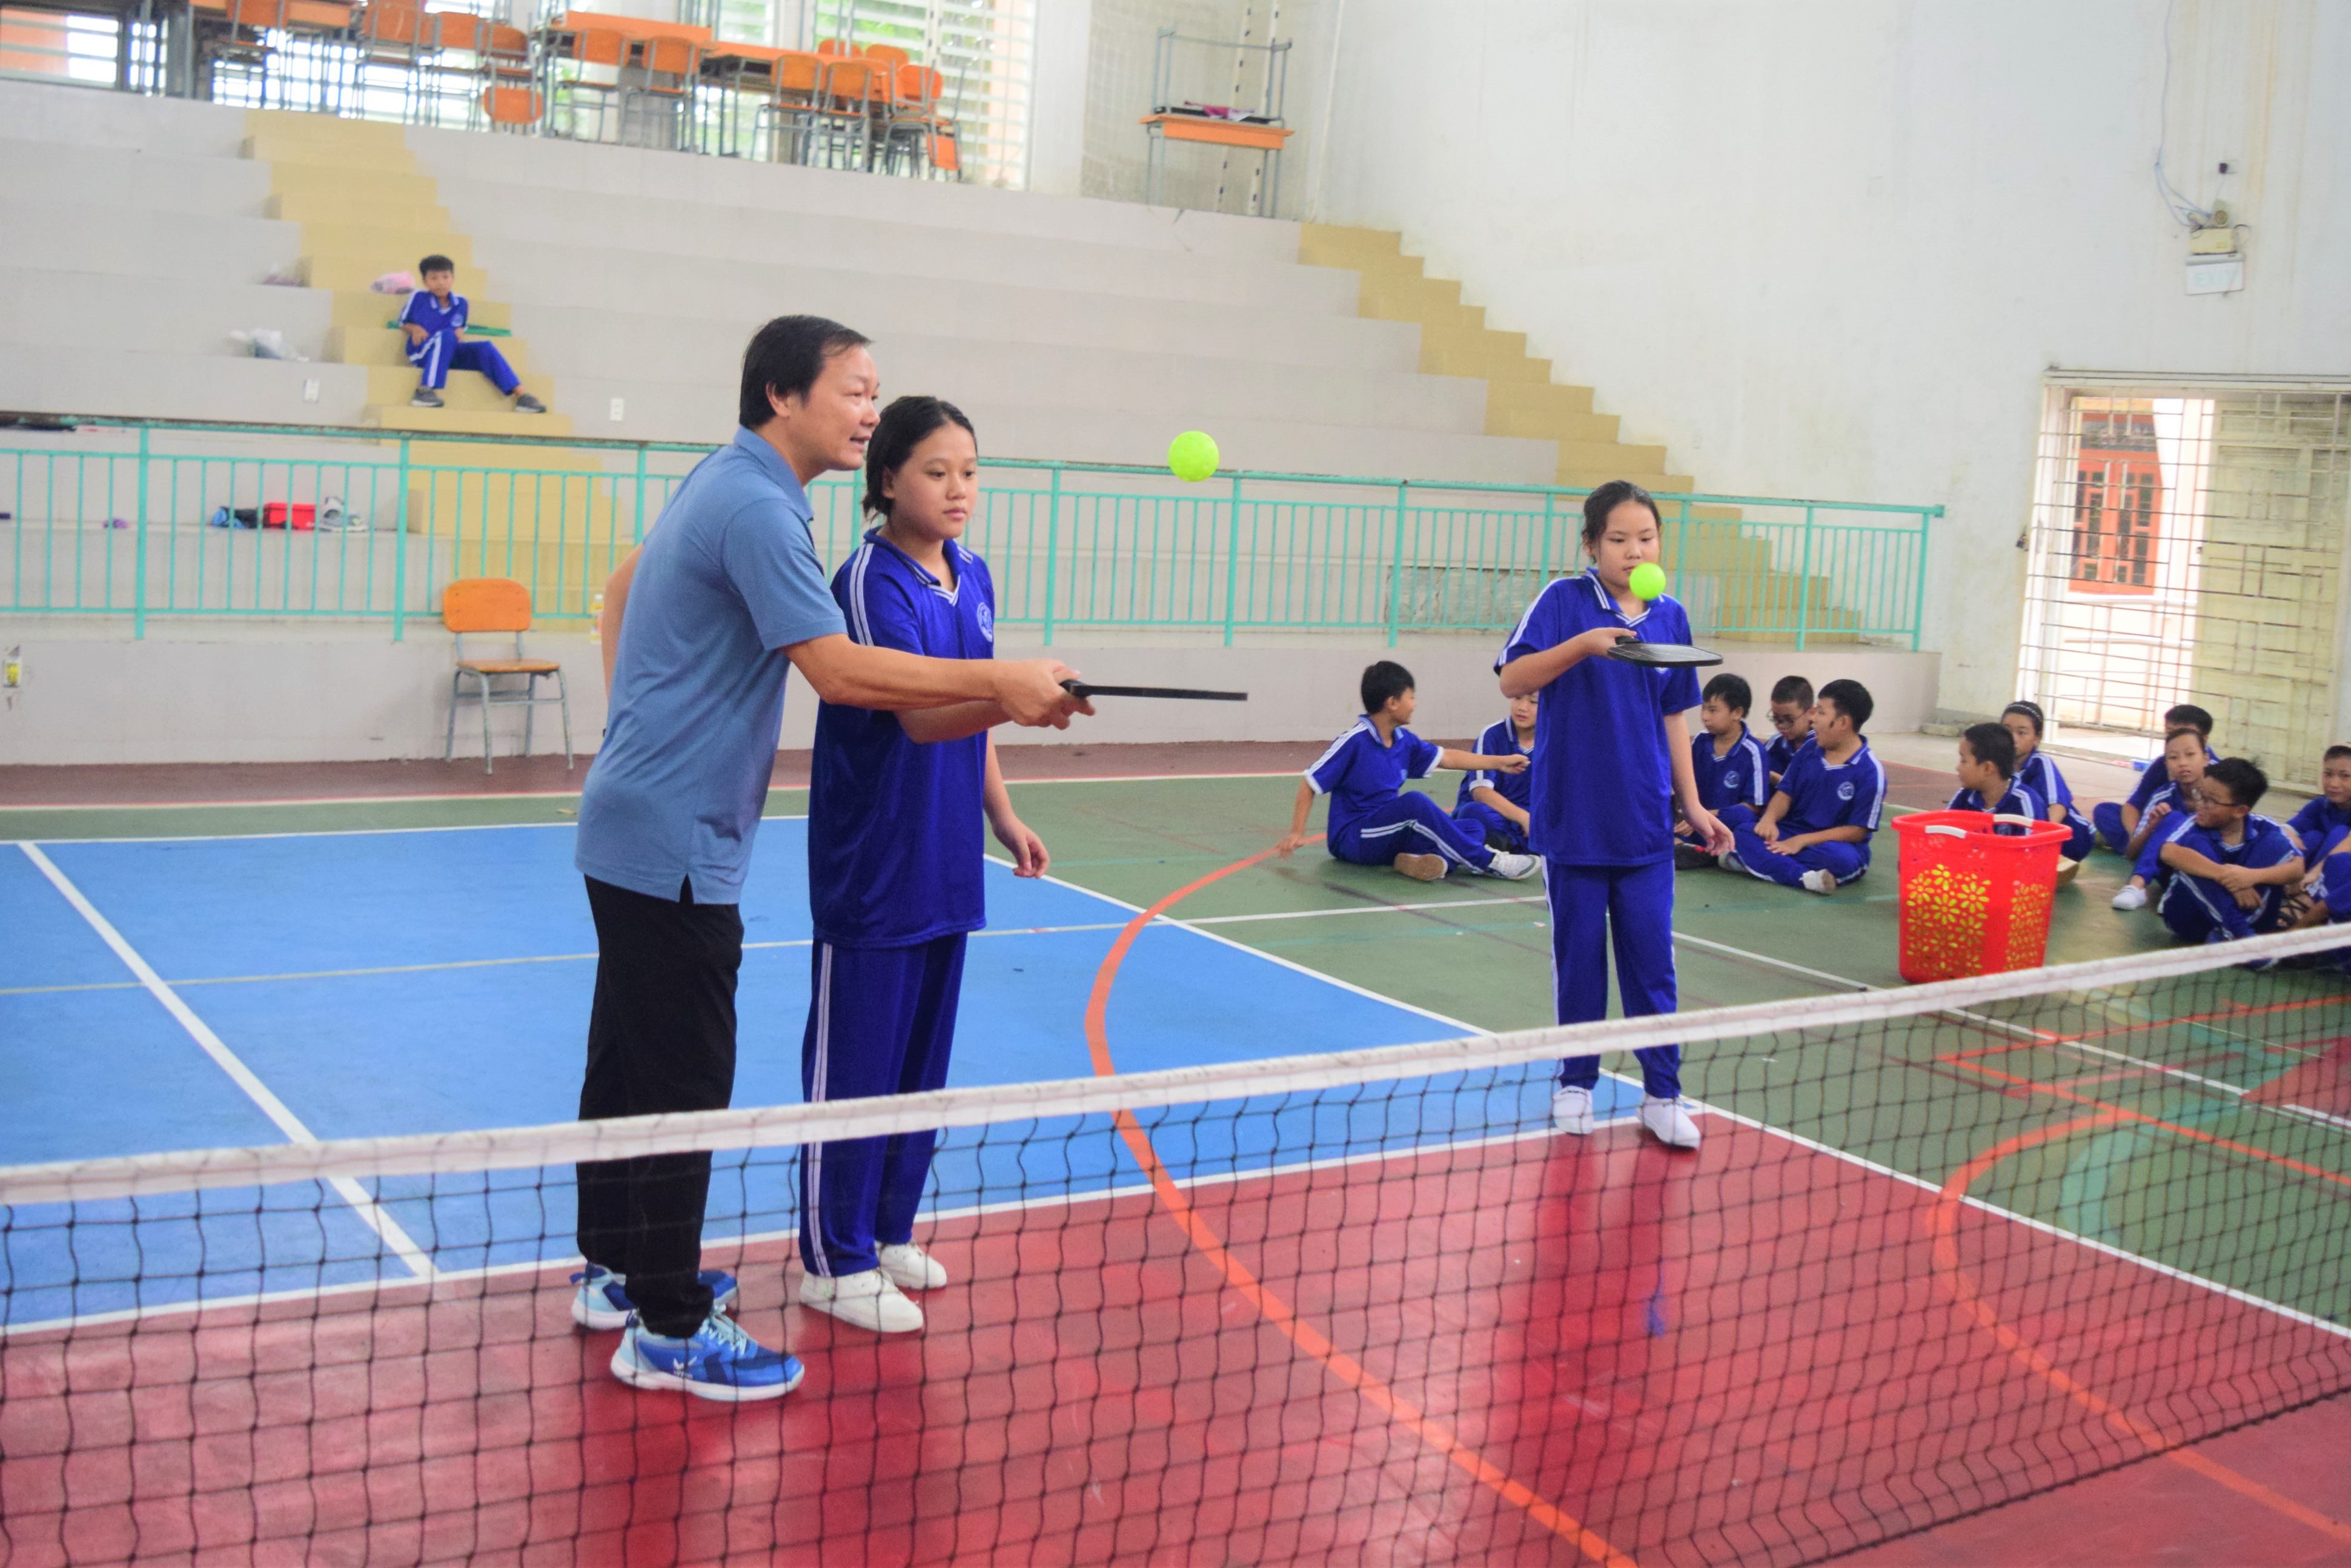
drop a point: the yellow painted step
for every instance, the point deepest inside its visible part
(356, 272)
(398, 416)
(1539, 400)
(357, 209)
(1656, 484)
(325, 179)
(325, 240)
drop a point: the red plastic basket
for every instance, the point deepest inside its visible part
(1974, 901)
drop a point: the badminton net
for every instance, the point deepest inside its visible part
(1941, 1249)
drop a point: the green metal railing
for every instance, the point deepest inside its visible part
(140, 518)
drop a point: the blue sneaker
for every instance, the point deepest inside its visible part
(720, 1362)
(601, 1303)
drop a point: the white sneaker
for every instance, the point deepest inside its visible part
(1819, 881)
(1669, 1122)
(1510, 867)
(2132, 896)
(869, 1299)
(1421, 868)
(1570, 1112)
(911, 1268)
(1728, 861)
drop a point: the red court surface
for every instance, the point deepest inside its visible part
(1543, 1351)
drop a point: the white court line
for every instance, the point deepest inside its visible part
(228, 1061)
(342, 832)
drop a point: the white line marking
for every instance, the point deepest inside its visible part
(340, 832)
(228, 1061)
(1353, 909)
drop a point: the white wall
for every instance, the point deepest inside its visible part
(1828, 247)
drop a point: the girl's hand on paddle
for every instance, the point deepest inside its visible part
(1028, 855)
(1595, 643)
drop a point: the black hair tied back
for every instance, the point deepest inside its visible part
(905, 425)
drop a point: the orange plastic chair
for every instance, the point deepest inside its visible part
(845, 103)
(497, 605)
(514, 108)
(832, 49)
(785, 118)
(600, 48)
(889, 54)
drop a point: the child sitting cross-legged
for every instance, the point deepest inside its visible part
(1726, 762)
(1815, 832)
(2117, 821)
(2232, 865)
(1375, 820)
(1492, 805)
(1792, 719)
(2183, 761)
(1987, 772)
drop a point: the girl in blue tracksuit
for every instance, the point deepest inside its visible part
(2037, 773)
(1612, 762)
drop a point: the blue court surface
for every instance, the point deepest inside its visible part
(402, 982)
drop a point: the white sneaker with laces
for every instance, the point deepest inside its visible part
(2132, 896)
(1570, 1112)
(1669, 1122)
(1819, 880)
(1511, 867)
(911, 1268)
(869, 1299)
(1421, 868)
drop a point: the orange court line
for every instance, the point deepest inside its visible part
(1271, 1307)
(2302, 1167)
(1942, 1225)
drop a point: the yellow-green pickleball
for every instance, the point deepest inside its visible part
(1649, 580)
(1192, 456)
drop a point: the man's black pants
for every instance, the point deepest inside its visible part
(660, 1037)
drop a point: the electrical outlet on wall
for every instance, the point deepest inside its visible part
(617, 408)
(310, 390)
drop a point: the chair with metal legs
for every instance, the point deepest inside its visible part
(498, 604)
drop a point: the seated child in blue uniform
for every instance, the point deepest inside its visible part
(2038, 773)
(2182, 772)
(432, 320)
(2116, 821)
(1375, 820)
(1792, 721)
(2323, 825)
(1815, 832)
(896, 805)
(1987, 772)
(1726, 762)
(2232, 865)
(1492, 805)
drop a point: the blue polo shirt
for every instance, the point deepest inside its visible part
(2019, 802)
(2318, 821)
(1822, 794)
(894, 847)
(1500, 738)
(1778, 754)
(1604, 785)
(1360, 775)
(424, 310)
(727, 580)
(2156, 776)
(1736, 777)
(2263, 846)
(2040, 775)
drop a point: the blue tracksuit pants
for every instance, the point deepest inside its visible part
(881, 1022)
(1631, 909)
(1846, 862)
(2196, 908)
(1412, 824)
(1480, 822)
(445, 352)
(2106, 823)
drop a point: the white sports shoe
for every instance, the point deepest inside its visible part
(1510, 867)
(1728, 861)
(869, 1299)
(1570, 1112)
(1421, 868)
(2132, 896)
(2067, 871)
(1819, 881)
(911, 1268)
(1669, 1122)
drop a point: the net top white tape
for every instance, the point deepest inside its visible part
(775, 1126)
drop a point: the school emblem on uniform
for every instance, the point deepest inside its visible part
(1844, 791)
(986, 621)
(1731, 780)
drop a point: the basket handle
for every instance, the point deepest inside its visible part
(2019, 818)
(1944, 829)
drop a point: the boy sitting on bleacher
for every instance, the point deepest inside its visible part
(432, 319)
(2231, 865)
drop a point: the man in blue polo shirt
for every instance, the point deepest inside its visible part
(699, 624)
(1815, 832)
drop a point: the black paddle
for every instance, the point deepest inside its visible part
(1664, 655)
(1181, 694)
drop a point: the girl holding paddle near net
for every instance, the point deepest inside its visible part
(1612, 767)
